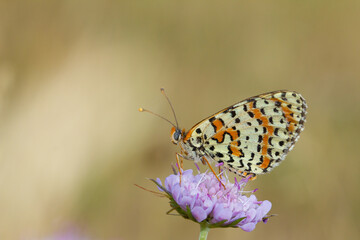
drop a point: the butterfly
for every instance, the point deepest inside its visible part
(250, 137)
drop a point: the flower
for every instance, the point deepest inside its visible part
(68, 233)
(203, 199)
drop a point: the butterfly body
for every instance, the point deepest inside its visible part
(249, 137)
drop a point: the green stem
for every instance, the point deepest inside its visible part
(204, 230)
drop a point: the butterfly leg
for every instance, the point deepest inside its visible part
(204, 158)
(179, 161)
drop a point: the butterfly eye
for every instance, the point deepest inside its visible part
(175, 135)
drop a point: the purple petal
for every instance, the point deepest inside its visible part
(199, 214)
(250, 215)
(248, 227)
(176, 193)
(220, 213)
(185, 201)
(208, 205)
(188, 172)
(252, 198)
(170, 181)
(160, 183)
(262, 210)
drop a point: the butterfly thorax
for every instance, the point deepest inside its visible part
(192, 148)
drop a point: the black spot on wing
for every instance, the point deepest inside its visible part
(231, 160)
(249, 167)
(271, 120)
(276, 132)
(252, 156)
(245, 108)
(261, 159)
(258, 148)
(219, 154)
(254, 104)
(241, 163)
(270, 141)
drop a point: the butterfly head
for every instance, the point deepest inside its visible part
(176, 135)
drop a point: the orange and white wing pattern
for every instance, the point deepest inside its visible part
(252, 136)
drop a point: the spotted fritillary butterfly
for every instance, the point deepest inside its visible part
(249, 137)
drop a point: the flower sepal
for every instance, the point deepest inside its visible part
(221, 224)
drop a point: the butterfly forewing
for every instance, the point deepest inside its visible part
(252, 136)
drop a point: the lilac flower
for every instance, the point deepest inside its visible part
(203, 199)
(65, 234)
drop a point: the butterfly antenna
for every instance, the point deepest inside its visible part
(145, 110)
(172, 109)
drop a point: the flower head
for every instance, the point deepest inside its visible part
(203, 199)
(67, 233)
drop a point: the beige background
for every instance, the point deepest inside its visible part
(72, 144)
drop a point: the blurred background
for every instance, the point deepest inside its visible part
(73, 144)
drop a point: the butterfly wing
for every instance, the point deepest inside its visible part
(254, 135)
